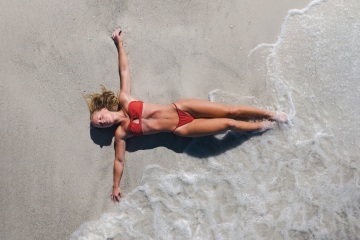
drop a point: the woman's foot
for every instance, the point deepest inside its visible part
(266, 125)
(279, 117)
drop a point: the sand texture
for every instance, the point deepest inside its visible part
(55, 172)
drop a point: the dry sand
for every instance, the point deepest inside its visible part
(54, 173)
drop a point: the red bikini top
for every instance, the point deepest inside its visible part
(135, 112)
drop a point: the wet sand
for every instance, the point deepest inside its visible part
(56, 173)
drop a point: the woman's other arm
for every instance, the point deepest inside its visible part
(119, 161)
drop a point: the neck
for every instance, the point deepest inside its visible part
(118, 116)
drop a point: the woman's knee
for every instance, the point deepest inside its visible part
(232, 111)
(230, 124)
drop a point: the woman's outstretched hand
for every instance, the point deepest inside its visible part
(116, 194)
(117, 36)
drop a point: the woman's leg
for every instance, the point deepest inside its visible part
(205, 127)
(206, 109)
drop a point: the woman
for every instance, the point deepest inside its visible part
(187, 117)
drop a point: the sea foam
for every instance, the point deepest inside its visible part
(298, 181)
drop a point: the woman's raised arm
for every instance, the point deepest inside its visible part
(124, 70)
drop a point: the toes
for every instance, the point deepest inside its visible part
(280, 117)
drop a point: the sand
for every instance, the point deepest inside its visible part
(56, 173)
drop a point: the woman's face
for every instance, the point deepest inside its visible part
(102, 119)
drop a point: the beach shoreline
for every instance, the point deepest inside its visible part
(53, 176)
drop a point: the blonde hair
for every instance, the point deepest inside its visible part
(107, 99)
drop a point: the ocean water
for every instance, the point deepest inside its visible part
(299, 181)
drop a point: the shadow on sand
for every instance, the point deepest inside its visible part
(201, 147)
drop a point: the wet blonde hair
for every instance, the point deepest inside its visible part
(107, 99)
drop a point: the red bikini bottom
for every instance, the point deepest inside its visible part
(184, 118)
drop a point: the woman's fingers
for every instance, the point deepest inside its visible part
(117, 32)
(116, 198)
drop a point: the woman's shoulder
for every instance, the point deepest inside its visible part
(120, 133)
(125, 100)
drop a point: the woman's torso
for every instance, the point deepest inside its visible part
(154, 118)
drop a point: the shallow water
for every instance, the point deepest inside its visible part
(299, 181)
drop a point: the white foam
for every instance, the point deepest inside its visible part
(289, 183)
